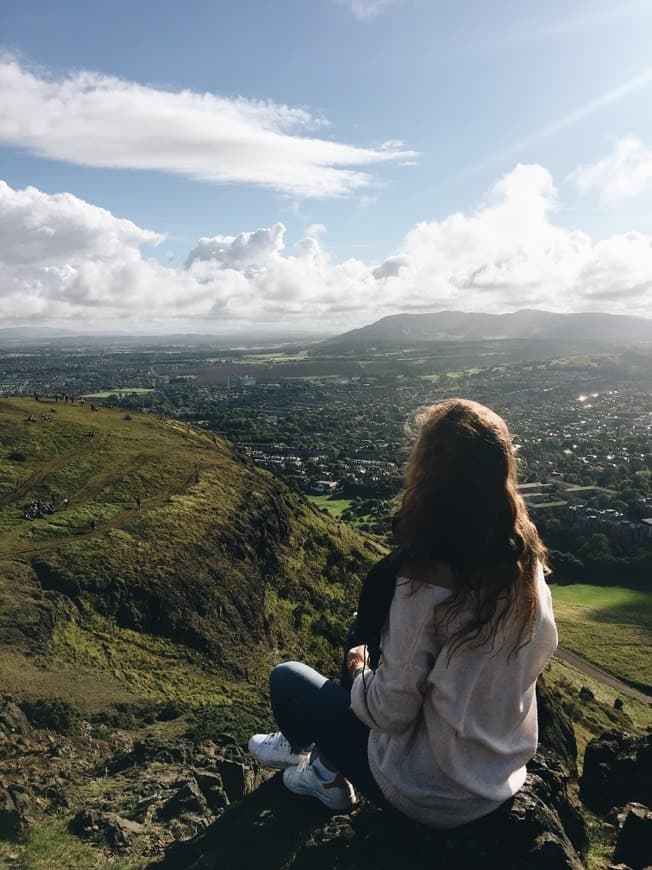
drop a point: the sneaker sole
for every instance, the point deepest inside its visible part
(278, 765)
(323, 796)
(284, 765)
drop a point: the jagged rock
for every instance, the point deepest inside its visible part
(617, 770)
(634, 845)
(212, 788)
(12, 719)
(273, 828)
(556, 731)
(22, 800)
(189, 799)
(146, 807)
(238, 779)
(144, 751)
(11, 821)
(616, 815)
(541, 828)
(101, 827)
(553, 787)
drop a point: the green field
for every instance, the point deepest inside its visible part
(130, 391)
(334, 506)
(610, 626)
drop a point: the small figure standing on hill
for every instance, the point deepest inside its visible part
(137, 502)
(436, 713)
(92, 525)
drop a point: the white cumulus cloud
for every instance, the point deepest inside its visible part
(63, 260)
(92, 119)
(625, 173)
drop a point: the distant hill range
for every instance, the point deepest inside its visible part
(399, 329)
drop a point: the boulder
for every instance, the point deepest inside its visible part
(212, 788)
(238, 779)
(617, 771)
(634, 845)
(267, 827)
(187, 800)
(102, 827)
(12, 719)
(272, 828)
(11, 821)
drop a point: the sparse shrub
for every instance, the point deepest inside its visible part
(212, 721)
(55, 714)
(170, 711)
(101, 732)
(124, 716)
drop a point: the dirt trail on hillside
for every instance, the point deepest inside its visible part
(117, 522)
(599, 675)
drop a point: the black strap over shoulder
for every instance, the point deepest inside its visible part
(375, 600)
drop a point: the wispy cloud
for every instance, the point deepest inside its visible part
(625, 173)
(92, 119)
(365, 9)
(581, 113)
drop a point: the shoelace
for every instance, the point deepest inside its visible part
(278, 739)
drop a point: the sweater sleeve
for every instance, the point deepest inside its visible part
(390, 698)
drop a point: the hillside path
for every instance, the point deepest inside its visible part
(599, 675)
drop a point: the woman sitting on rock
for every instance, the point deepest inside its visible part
(456, 624)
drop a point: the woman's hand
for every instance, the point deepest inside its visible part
(357, 660)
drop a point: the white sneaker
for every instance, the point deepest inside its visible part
(274, 750)
(336, 795)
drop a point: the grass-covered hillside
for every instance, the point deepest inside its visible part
(175, 570)
(610, 626)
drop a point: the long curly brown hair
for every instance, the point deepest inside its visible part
(461, 505)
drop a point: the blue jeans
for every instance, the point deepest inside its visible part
(309, 709)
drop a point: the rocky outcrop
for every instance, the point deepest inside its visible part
(106, 828)
(273, 828)
(617, 770)
(541, 828)
(634, 846)
(11, 819)
(12, 719)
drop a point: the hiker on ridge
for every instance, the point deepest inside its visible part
(453, 629)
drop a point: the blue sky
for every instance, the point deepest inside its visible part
(362, 127)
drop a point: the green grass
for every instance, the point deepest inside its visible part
(334, 506)
(593, 718)
(147, 667)
(610, 626)
(48, 846)
(263, 358)
(130, 391)
(193, 596)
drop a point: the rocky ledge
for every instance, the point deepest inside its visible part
(183, 804)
